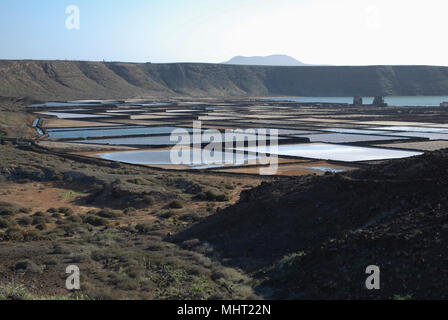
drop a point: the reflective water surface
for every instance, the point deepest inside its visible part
(324, 151)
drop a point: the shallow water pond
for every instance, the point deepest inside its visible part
(167, 157)
(112, 132)
(324, 151)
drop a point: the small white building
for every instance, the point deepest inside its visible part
(444, 104)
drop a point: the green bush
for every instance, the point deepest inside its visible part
(191, 217)
(197, 271)
(56, 215)
(6, 223)
(96, 221)
(168, 214)
(5, 204)
(211, 195)
(127, 284)
(129, 211)
(190, 244)
(78, 258)
(109, 214)
(15, 234)
(51, 262)
(75, 219)
(28, 265)
(148, 200)
(229, 187)
(176, 204)
(32, 235)
(39, 220)
(60, 249)
(25, 221)
(143, 228)
(41, 226)
(7, 212)
(7, 209)
(66, 211)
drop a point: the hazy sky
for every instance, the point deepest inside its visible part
(337, 32)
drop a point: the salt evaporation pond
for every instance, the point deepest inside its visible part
(154, 104)
(143, 141)
(112, 132)
(165, 140)
(64, 104)
(324, 151)
(63, 115)
(346, 138)
(163, 157)
(428, 135)
(414, 129)
(73, 110)
(356, 131)
(325, 169)
(291, 131)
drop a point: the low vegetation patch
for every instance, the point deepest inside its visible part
(211, 195)
(123, 243)
(176, 204)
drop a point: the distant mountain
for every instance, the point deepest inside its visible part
(273, 60)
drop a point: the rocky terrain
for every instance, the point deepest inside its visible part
(313, 237)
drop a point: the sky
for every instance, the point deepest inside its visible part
(334, 32)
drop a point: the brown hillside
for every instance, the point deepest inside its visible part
(65, 80)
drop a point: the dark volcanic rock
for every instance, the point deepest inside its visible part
(394, 215)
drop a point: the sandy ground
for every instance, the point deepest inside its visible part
(208, 118)
(60, 123)
(41, 196)
(148, 116)
(142, 122)
(325, 120)
(356, 115)
(395, 123)
(113, 114)
(291, 169)
(115, 111)
(79, 147)
(438, 125)
(425, 146)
